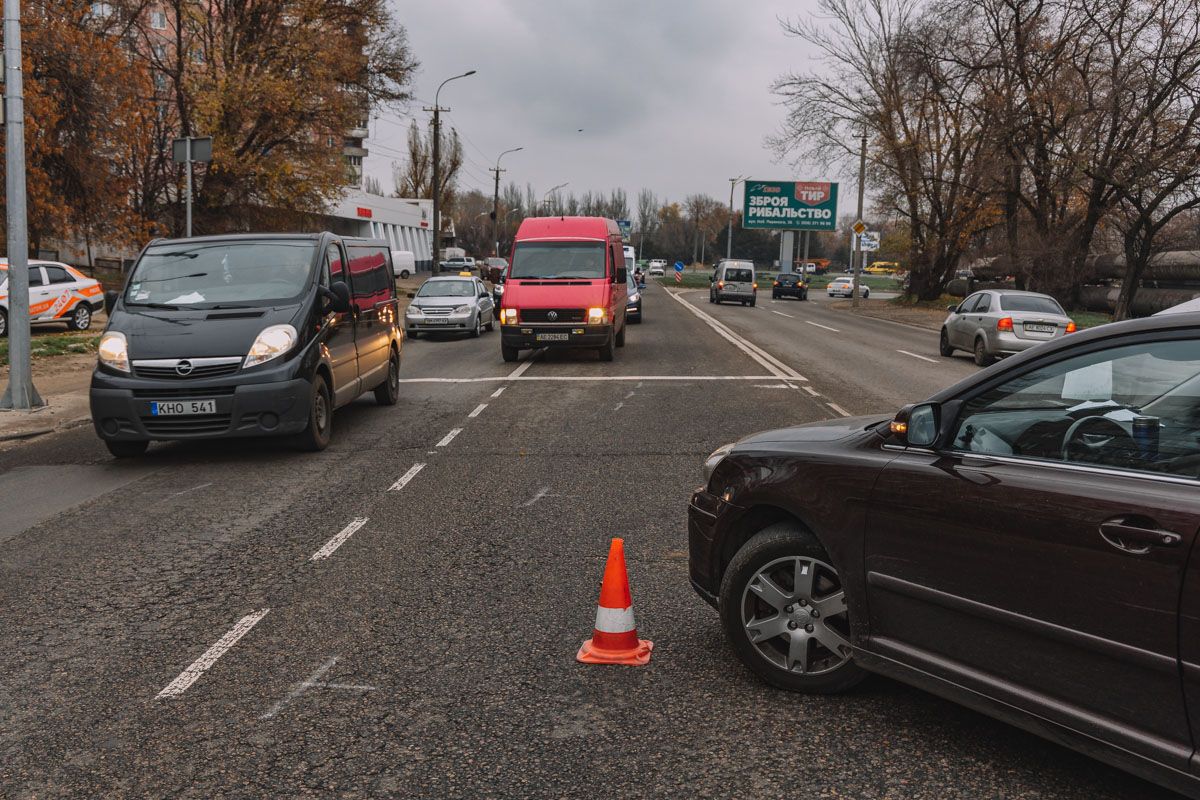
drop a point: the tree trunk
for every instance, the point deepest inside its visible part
(1137, 257)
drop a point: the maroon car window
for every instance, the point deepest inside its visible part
(1133, 407)
(369, 275)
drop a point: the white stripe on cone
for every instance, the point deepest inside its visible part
(614, 620)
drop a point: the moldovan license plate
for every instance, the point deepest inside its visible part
(553, 337)
(171, 408)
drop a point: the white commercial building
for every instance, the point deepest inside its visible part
(404, 224)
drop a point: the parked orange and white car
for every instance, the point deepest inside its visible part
(57, 293)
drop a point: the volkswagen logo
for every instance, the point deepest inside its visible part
(184, 367)
(552, 316)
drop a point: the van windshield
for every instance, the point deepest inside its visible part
(558, 260)
(205, 274)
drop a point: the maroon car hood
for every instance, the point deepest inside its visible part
(825, 431)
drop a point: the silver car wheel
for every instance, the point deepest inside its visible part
(794, 612)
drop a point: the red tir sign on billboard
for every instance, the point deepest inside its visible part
(813, 194)
(365, 213)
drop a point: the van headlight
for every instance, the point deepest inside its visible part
(718, 455)
(271, 343)
(508, 316)
(113, 351)
(597, 316)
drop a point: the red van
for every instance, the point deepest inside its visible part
(564, 287)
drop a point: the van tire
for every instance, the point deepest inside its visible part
(319, 431)
(127, 449)
(388, 392)
(607, 351)
(621, 335)
(404, 274)
(510, 354)
(752, 302)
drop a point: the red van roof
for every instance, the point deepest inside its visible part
(590, 228)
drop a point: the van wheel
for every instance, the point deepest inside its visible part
(404, 273)
(388, 392)
(127, 449)
(509, 353)
(606, 352)
(621, 335)
(320, 418)
(783, 606)
(752, 302)
(81, 317)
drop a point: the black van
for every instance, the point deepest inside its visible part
(246, 335)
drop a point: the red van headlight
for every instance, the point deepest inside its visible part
(597, 316)
(508, 316)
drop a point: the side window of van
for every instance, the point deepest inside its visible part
(370, 275)
(333, 264)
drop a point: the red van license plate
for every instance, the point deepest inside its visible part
(553, 337)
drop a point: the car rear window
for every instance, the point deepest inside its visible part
(787, 280)
(738, 275)
(1028, 302)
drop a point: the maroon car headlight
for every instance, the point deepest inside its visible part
(710, 464)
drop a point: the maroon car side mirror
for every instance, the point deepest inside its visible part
(916, 425)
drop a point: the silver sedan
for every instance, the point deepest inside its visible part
(1000, 322)
(450, 304)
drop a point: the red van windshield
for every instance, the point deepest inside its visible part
(558, 260)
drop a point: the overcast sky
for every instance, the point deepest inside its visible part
(671, 94)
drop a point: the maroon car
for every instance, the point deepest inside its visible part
(1021, 543)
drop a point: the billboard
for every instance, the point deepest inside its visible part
(790, 205)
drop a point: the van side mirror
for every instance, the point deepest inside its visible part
(337, 297)
(110, 301)
(621, 275)
(917, 425)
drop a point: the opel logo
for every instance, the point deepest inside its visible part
(184, 367)
(553, 315)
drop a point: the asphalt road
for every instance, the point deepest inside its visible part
(238, 619)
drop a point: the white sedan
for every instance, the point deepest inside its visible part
(844, 287)
(57, 293)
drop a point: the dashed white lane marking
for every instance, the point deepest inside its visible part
(193, 489)
(819, 325)
(914, 355)
(838, 409)
(498, 392)
(314, 682)
(773, 386)
(478, 410)
(773, 365)
(631, 394)
(339, 539)
(449, 437)
(618, 406)
(198, 667)
(780, 313)
(812, 391)
(523, 367)
(545, 490)
(604, 378)
(406, 477)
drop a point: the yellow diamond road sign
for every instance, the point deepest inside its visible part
(859, 227)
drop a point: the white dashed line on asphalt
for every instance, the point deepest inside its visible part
(406, 477)
(449, 437)
(774, 365)
(339, 539)
(478, 410)
(618, 406)
(914, 355)
(193, 489)
(812, 391)
(838, 409)
(819, 325)
(198, 667)
(780, 313)
(545, 490)
(498, 392)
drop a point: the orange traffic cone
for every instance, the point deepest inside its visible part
(614, 638)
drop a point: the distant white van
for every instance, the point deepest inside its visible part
(404, 263)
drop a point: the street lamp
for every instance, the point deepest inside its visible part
(733, 182)
(552, 190)
(437, 155)
(496, 199)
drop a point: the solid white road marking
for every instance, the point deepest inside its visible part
(812, 391)
(819, 325)
(914, 355)
(198, 667)
(545, 490)
(449, 437)
(780, 313)
(773, 386)
(641, 378)
(406, 477)
(774, 365)
(339, 538)
(478, 410)
(838, 409)
(498, 392)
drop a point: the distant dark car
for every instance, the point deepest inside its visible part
(1022, 543)
(789, 284)
(633, 307)
(493, 268)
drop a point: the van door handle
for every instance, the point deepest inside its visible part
(1128, 536)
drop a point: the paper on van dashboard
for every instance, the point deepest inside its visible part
(183, 299)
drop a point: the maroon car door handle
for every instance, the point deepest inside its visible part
(1136, 536)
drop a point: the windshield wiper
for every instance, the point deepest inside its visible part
(228, 305)
(173, 278)
(163, 306)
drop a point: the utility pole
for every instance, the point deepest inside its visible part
(857, 254)
(496, 199)
(437, 168)
(729, 233)
(20, 394)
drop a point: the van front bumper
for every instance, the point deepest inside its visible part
(122, 409)
(524, 337)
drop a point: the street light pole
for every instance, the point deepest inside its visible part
(733, 182)
(552, 190)
(496, 199)
(857, 254)
(20, 394)
(437, 166)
